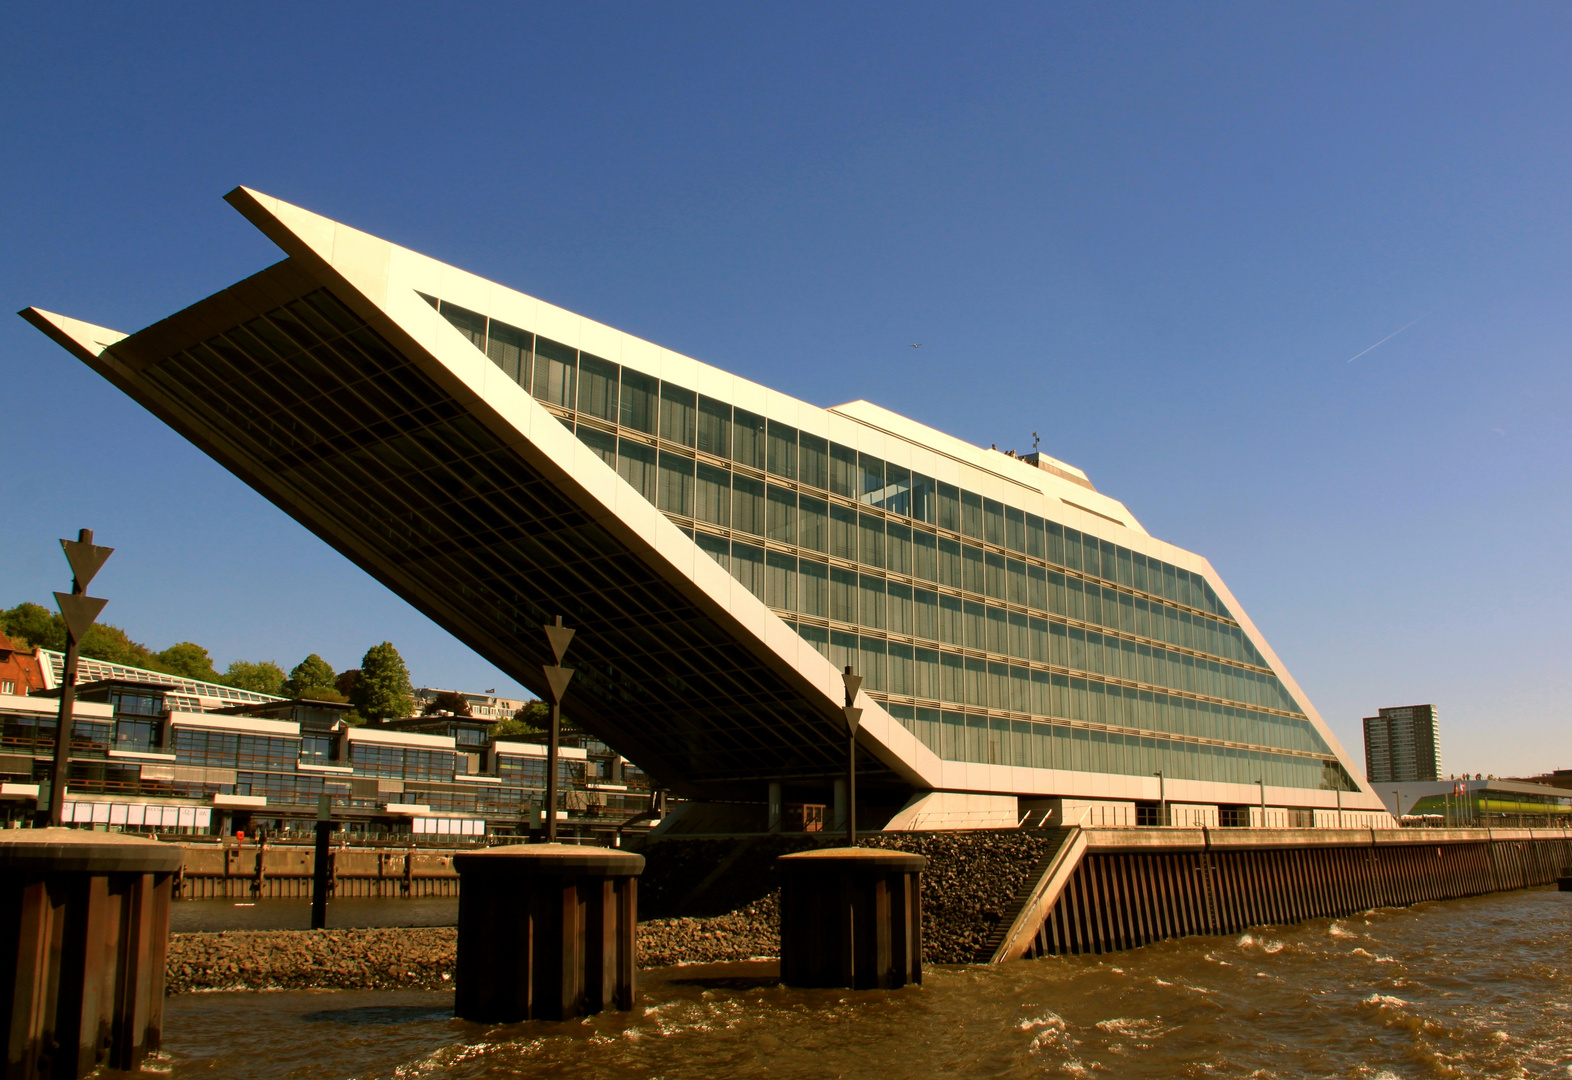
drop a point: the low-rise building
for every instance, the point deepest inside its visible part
(1477, 803)
(482, 706)
(21, 672)
(144, 759)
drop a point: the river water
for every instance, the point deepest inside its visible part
(190, 916)
(1464, 988)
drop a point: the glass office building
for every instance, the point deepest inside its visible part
(724, 550)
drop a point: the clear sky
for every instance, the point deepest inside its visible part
(1163, 236)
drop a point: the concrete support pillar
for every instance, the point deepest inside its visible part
(838, 813)
(777, 810)
(85, 915)
(545, 932)
(851, 917)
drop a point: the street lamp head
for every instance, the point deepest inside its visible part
(853, 683)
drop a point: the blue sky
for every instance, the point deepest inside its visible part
(1155, 234)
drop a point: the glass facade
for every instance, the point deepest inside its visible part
(994, 634)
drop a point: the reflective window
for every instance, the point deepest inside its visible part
(639, 395)
(843, 595)
(949, 507)
(870, 604)
(598, 387)
(870, 545)
(814, 588)
(1015, 529)
(716, 547)
(925, 498)
(993, 522)
(676, 484)
(843, 533)
(949, 563)
(898, 548)
(813, 464)
(971, 515)
(782, 450)
(714, 427)
(712, 495)
(747, 566)
(678, 412)
(747, 439)
(471, 324)
(747, 505)
(845, 478)
(813, 523)
(897, 490)
(871, 470)
(510, 349)
(780, 581)
(603, 443)
(782, 516)
(636, 465)
(555, 368)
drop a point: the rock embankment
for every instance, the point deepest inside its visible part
(970, 884)
(423, 958)
(366, 959)
(743, 934)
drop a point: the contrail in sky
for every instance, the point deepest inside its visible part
(1388, 338)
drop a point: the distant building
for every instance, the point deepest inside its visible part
(487, 706)
(158, 753)
(1478, 803)
(20, 672)
(1558, 778)
(1402, 744)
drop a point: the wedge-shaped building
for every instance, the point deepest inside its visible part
(725, 550)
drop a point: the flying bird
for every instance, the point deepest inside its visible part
(917, 346)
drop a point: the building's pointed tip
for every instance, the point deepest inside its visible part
(294, 228)
(83, 338)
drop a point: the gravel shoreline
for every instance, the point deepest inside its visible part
(970, 883)
(421, 958)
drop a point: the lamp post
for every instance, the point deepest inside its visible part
(853, 682)
(557, 678)
(1162, 798)
(80, 610)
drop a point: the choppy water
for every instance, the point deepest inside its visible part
(1468, 988)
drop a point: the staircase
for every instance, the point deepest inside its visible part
(1058, 839)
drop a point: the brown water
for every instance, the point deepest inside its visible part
(190, 916)
(1478, 987)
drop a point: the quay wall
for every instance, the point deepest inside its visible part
(283, 872)
(1131, 887)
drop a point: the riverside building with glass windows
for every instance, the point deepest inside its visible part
(1029, 651)
(159, 753)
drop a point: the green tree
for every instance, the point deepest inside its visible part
(105, 642)
(382, 691)
(448, 701)
(31, 625)
(533, 718)
(311, 678)
(529, 720)
(188, 660)
(264, 677)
